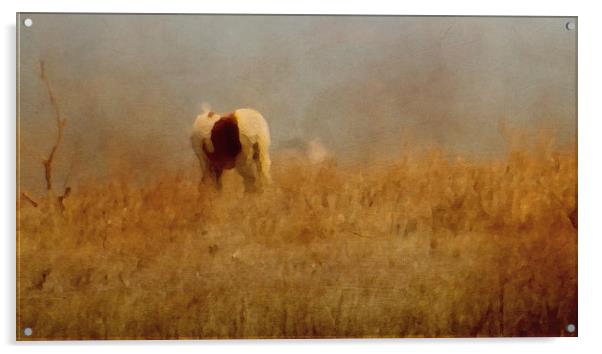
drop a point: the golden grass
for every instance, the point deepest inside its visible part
(424, 246)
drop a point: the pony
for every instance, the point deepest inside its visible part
(237, 140)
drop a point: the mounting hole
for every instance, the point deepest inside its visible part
(570, 25)
(570, 328)
(28, 22)
(28, 331)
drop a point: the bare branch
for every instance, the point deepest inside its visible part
(60, 124)
(62, 198)
(29, 199)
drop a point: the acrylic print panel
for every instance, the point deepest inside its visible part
(237, 176)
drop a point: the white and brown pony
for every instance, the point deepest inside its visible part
(238, 140)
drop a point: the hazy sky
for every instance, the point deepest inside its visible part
(133, 84)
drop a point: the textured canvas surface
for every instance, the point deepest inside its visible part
(238, 176)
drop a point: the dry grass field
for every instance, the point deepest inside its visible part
(427, 245)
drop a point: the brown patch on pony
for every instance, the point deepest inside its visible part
(210, 114)
(226, 143)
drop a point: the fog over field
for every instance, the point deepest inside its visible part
(364, 87)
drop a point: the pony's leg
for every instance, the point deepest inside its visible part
(248, 170)
(216, 177)
(250, 181)
(204, 164)
(261, 159)
(211, 179)
(206, 176)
